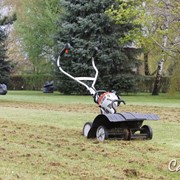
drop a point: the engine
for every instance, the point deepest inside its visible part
(108, 102)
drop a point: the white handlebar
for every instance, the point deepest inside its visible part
(91, 89)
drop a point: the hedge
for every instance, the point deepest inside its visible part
(29, 82)
(36, 82)
(146, 84)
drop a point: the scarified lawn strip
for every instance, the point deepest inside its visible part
(51, 152)
(44, 141)
(163, 112)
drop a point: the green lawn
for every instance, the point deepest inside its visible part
(41, 138)
(55, 98)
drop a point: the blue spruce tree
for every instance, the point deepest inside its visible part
(86, 25)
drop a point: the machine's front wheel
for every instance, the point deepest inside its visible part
(101, 133)
(86, 128)
(147, 130)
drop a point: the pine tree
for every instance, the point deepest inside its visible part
(86, 25)
(4, 63)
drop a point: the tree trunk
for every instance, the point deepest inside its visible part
(165, 28)
(146, 64)
(158, 78)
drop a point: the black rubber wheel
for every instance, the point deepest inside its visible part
(127, 134)
(101, 133)
(87, 126)
(147, 130)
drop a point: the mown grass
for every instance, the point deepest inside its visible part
(136, 99)
(40, 138)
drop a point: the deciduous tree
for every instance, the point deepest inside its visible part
(35, 27)
(158, 35)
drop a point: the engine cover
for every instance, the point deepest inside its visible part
(106, 101)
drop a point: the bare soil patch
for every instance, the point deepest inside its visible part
(47, 150)
(165, 113)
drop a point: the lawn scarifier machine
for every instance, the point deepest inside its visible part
(110, 124)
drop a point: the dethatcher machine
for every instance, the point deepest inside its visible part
(110, 124)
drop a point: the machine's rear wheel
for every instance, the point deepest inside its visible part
(127, 134)
(101, 133)
(86, 128)
(147, 130)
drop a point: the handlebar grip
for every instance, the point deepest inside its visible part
(122, 102)
(119, 101)
(66, 48)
